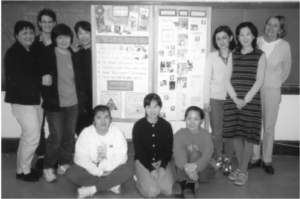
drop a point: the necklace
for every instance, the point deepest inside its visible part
(225, 59)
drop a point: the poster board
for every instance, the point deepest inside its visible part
(137, 49)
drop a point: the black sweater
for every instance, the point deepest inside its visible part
(22, 79)
(152, 142)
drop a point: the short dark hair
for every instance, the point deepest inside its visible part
(197, 109)
(152, 97)
(61, 29)
(45, 12)
(283, 25)
(253, 30)
(21, 25)
(82, 24)
(228, 31)
(101, 108)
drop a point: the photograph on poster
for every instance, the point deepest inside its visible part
(182, 68)
(166, 67)
(163, 83)
(183, 24)
(182, 54)
(172, 77)
(194, 27)
(172, 85)
(182, 40)
(181, 82)
(172, 108)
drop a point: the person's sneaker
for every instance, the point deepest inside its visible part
(30, 177)
(219, 164)
(227, 167)
(39, 165)
(116, 189)
(62, 168)
(85, 192)
(49, 175)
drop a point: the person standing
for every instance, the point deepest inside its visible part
(84, 58)
(152, 138)
(215, 94)
(242, 113)
(279, 63)
(46, 20)
(22, 85)
(61, 101)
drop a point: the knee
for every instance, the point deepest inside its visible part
(152, 192)
(70, 175)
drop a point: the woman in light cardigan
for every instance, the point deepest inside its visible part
(215, 93)
(278, 69)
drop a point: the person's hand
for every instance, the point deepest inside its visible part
(241, 104)
(193, 175)
(190, 167)
(156, 165)
(161, 173)
(238, 102)
(154, 175)
(47, 80)
(102, 152)
(207, 107)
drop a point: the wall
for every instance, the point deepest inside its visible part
(287, 127)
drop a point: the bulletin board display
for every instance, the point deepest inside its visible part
(183, 41)
(121, 58)
(142, 49)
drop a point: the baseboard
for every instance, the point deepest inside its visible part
(281, 147)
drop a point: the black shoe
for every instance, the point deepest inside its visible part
(268, 168)
(256, 164)
(30, 177)
(39, 165)
(36, 172)
(178, 187)
(189, 190)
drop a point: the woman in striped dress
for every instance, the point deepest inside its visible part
(242, 114)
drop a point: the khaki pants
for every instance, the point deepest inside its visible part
(270, 99)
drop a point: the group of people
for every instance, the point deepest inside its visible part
(44, 71)
(241, 91)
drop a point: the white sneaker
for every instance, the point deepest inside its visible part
(49, 175)
(116, 189)
(85, 192)
(62, 169)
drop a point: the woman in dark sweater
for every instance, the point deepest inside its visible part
(23, 83)
(153, 142)
(61, 101)
(84, 58)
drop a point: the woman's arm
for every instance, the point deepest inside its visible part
(286, 64)
(179, 151)
(260, 76)
(207, 79)
(168, 147)
(207, 153)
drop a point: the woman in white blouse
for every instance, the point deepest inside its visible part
(215, 93)
(279, 63)
(100, 157)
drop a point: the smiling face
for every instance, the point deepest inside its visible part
(193, 121)
(84, 37)
(63, 42)
(25, 37)
(272, 28)
(223, 40)
(152, 110)
(246, 37)
(46, 24)
(102, 121)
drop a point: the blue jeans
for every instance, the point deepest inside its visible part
(216, 123)
(60, 143)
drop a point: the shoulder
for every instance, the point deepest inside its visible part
(284, 43)
(140, 122)
(181, 133)
(205, 133)
(163, 121)
(87, 132)
(116, 131)
(258, 51)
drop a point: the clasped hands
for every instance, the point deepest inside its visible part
(240, 103)
(191, 170)
(159, 173)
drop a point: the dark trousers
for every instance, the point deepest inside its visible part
(41, 149)
(60, 143)
(203, 176)
(81, 177)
